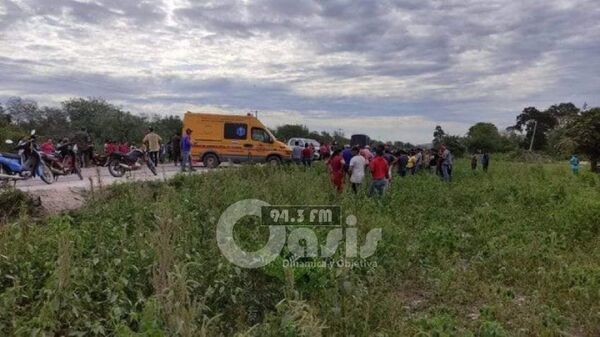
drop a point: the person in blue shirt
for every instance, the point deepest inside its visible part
(297, 153)
(574, 164)
(347, 156)
(186, 148)
(485, 161)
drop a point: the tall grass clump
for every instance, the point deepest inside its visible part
(513, 252)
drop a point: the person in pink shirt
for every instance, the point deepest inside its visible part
(366, 152)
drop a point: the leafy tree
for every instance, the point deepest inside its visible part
(564, 113)
(584, 131)
(438, 136)
(403, 145)
(167, 126)
(560, 145)
(325, 137)
(455, 144)
(104, 120)
(22, 110)
(316, 136)
(287, 131)
(52, 122)
(545, 122)
(510, 140)
(485, 137)
(8, 130)
(4, 117)
(340, 137)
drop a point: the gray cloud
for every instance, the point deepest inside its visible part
(456, 60)
(9, 14)
(97, 12)
(226, 92)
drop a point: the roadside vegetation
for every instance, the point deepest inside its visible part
(510, 253)
(557, 132)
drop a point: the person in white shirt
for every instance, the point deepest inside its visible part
(358, 163)
(447, 163)
(419, 157)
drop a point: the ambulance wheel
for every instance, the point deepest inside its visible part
(210, 160)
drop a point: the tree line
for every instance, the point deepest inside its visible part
(101, 119)
(561, 130)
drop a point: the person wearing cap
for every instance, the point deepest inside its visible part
(186, 148)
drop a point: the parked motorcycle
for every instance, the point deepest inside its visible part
(100, 159)
(25, 164)
(64, 161)
(119, 163)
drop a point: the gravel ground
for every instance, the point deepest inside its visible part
(68, 192)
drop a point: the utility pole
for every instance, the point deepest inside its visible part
(533, 136)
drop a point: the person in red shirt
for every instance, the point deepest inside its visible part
(336, 170)
(380, 171)
(48, 146)
(307, 155)
(109, 147)
(324, 151)
(124, 147)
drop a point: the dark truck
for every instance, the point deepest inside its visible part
(360, 141)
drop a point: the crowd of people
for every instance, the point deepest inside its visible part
(381, 162)
(81, 138)
(176, 150)
(343, 163)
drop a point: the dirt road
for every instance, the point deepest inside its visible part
(68, 191)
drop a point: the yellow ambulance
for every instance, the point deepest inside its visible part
(218, 138)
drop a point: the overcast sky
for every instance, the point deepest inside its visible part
(390, 68)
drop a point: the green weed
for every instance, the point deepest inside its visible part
(510, 253)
